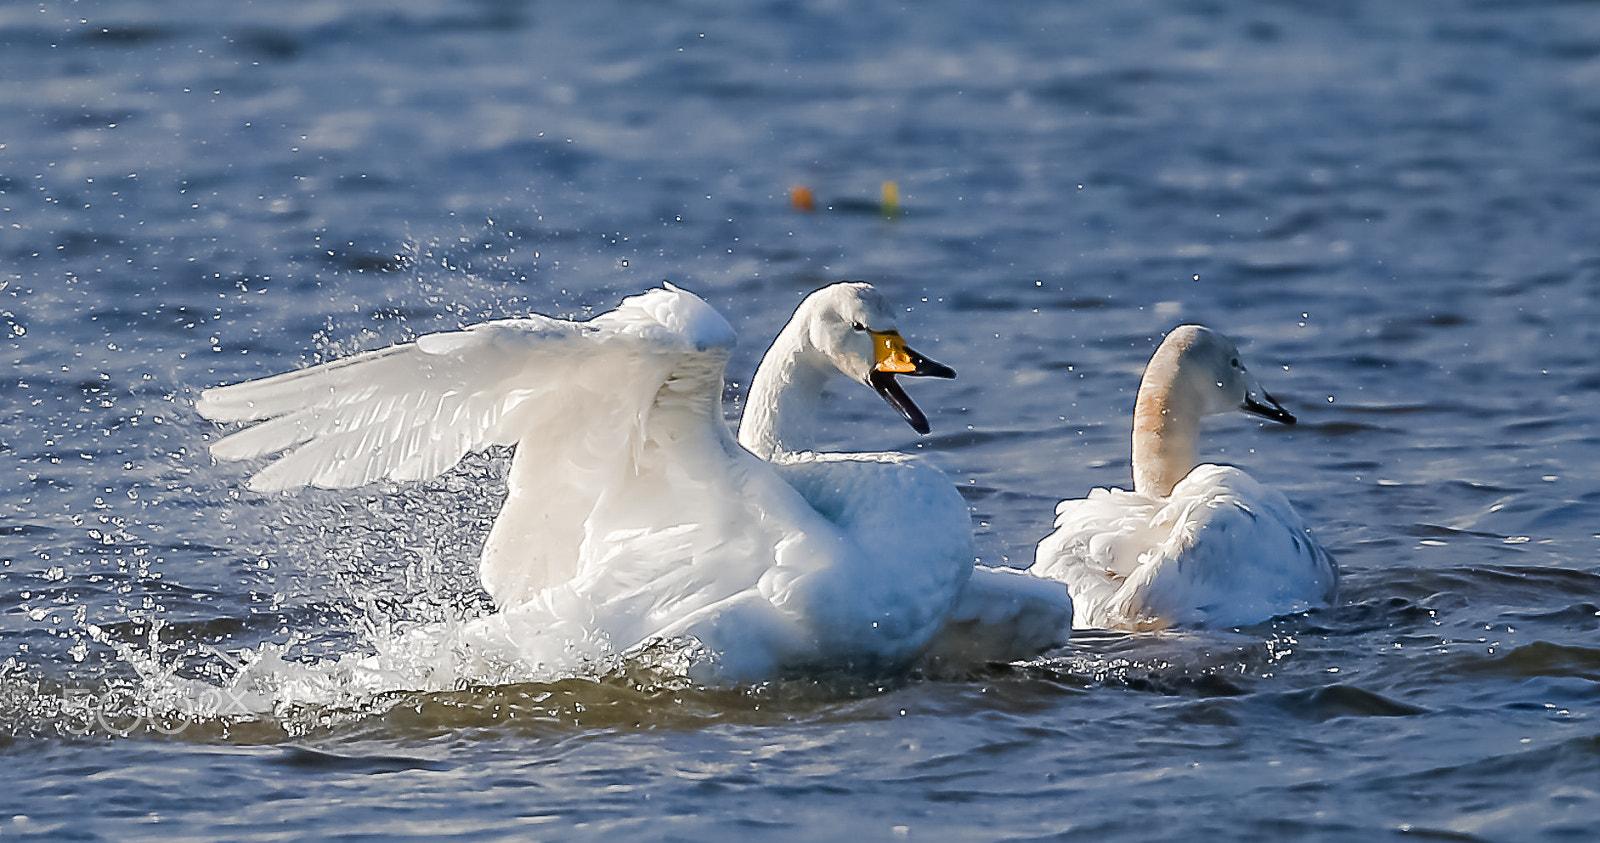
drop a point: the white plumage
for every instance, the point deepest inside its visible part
(632, 515)
(1192, 545)
(1003, 615)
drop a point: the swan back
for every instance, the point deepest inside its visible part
(1221, 550)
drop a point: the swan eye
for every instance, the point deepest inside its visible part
(857, 326)
(1234, 362)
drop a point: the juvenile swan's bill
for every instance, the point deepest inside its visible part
(632, 515)
(1192, 545)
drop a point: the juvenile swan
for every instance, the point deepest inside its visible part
(1192, 545)
(632, 514)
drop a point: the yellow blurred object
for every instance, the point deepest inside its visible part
(800, 199)
(891, 199)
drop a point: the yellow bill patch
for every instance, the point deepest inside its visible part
(890, 353)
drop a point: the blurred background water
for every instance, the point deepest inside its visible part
(1394, 207)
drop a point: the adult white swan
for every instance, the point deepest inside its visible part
(632, 515)
(1199, 545)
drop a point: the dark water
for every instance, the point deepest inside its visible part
(1395, 206)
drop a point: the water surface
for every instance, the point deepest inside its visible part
(1392, 206)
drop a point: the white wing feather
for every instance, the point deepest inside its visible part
(412, 411)
(1003, 615)
(1222, 550)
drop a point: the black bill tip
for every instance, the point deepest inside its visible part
(887, 387)
(926, 368)
(1267, 407)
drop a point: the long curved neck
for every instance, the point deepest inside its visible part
(781, 408)
(1166, 431)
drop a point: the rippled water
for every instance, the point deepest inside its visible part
(1392, 206)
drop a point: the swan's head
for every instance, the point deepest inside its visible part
(1196, 372)
(1207, 367)
(852, 326)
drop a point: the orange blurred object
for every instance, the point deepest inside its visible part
(891, 199)
(800, 199)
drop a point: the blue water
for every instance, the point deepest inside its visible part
(1395, 207)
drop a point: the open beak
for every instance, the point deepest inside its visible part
(893, 357)
(1266, 407)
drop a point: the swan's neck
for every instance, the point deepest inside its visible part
(781, 409)
(1166, 432)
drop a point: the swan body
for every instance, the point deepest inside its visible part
(1191, 545)
(1000, 614)
(632, 515)
(1004, 615)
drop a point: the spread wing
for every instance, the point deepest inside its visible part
(412, 411)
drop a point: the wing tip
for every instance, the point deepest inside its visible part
(680, 312)
(213, 406)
